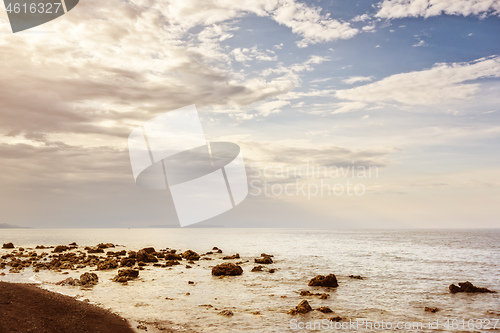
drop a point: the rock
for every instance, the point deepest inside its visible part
(257, 268)
(228, 313)
(358, 277)
(125, 275)
(236, 256)
(433, 310)
(190, 282)
(172, 256)
(215, 248)
(144, 256)
(324, 281)
(303, 307)
(190, 255)
(335, 319)
(149, 250)
(227, 269)
(69, 282)
(219, 251)
(127, 262)
(304, 293)
(142, 327)
(272, 270)
(172, 263)
(8, 246)
(105, 245)
(107, 264)
(265, 260)
(73, 244)
(266, 255)
(324, 296)
(324, 309)
(94, 249)
(256, 313)
(89, 279)
(187, 266)
(467, 287)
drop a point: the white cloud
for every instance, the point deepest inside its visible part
(441, 84)
(361, 18)
(393, 9)
(267, 108)
(419, 43)
(348, 107)
(356, 79)
(249, 54)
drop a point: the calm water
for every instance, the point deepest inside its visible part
(405, 270)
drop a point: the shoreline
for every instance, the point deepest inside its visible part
(28, 308)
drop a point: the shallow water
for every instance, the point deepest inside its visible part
(405, 270)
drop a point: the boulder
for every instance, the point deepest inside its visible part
(227, 269)
(172, 256)
(324, 309)
(257, 268)
(191, 255)
(265, 260)
(144, 256)
(105, 245)
(236, 256)
(89, 279)
(433, 310)
(8, 246)
(94, 249)
(324, 281)
(125, 275)
(149, 250)
(107, 264)
(467, 287)
(127, 262)
(302, 308)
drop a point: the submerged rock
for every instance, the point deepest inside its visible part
(266, 259)
(191, 255)
(433, 310)
(257, 268)
(236, 256)
(303, 307)
(227, 269)
(358, 277)
(467, 287)
(324, 281)
(89, 279)
(227, 313)
(125, 275)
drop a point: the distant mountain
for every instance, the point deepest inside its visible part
(10, 226)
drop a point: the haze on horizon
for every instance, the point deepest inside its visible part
(410, 89)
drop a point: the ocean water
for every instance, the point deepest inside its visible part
(405, 271)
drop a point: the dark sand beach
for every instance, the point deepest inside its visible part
(27, 308)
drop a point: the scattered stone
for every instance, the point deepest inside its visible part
(324, 309)
(191, 255)
(433, 310)
(324, 281)
(257, 268)
(125, 275)
(227, 269)
(303, 307)
(8, 246)
(89, 279)
(144, 256)
(227, 313)
(142, 327)
(467, 287)
(236, 256)
(266, 260)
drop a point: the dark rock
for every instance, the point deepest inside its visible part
(467, 287)
(227, 269)
(324, 281)
(433, 310)
(272, 270)
(105, 245)
(257, 268)
(61, 248)
(265, 260)
(190, 282)
(89, 279)
(219, 251)
(324, 296)
(69, 282)
(149, 250)
(236, 256)
(215, 248)
(190, 255)
(266, 255)
(107, 264)
(171, 263)
(172, 256)
(125, 275)
(324, 309)
(358, 277)
(94, 249)
(228, 313)
(303, 307)
(73, 244)
(8, 246)
(334, 319)
(127, 262)
(144, 256)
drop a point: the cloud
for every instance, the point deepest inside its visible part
(356, 79)
(440, 84)
(267, 108)
(393, 9)
(348, 107)
(249, 54)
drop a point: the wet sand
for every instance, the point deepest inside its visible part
(27, 308)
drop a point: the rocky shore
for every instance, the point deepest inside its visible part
(125, 266)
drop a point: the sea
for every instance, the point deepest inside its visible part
(403, 272)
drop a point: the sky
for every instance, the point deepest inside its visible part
(349, 114)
